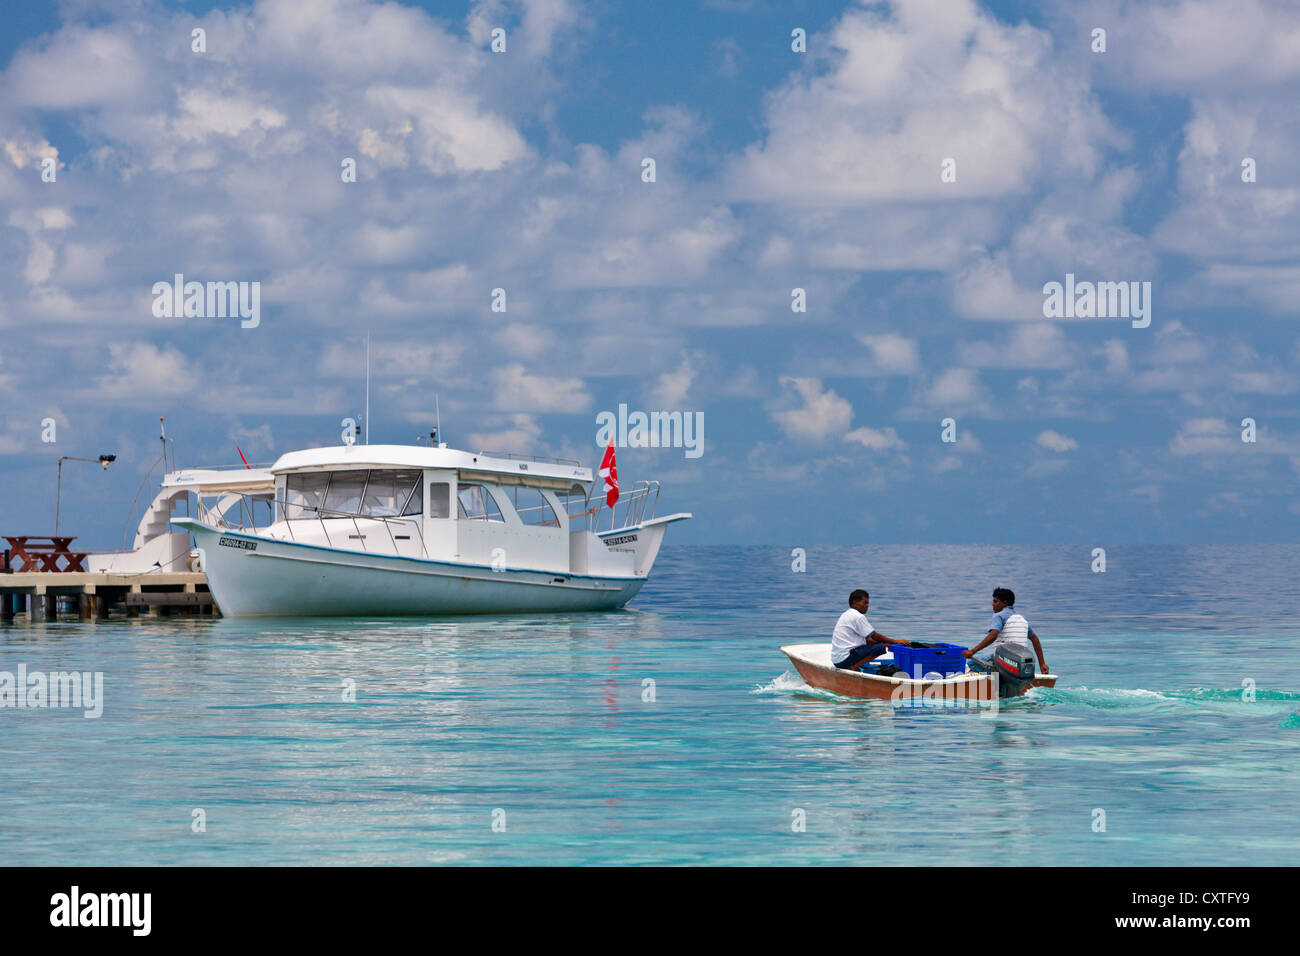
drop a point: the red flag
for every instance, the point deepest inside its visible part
(609, 471)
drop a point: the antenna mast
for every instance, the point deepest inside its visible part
(367, 418)
(438, 414)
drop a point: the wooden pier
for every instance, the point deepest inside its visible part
(45, 595)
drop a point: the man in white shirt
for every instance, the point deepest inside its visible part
(855, 641)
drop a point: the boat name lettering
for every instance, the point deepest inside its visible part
(237, 543)
(622, 539)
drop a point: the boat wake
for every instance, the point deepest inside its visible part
(1267, 704)
(1274, 704)
(791, 683)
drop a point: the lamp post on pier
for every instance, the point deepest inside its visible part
(102, 460)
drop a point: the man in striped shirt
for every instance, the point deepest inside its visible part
(1006, 629)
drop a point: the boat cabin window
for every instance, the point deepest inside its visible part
(303, 494)
(533, 508)
(439, 499)
(381, 493)
(476, 504)
(391, 493)
(344, 493)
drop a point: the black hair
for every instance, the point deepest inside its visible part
(858, 595)
(1005, 595)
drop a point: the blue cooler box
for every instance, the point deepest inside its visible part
(944, 659)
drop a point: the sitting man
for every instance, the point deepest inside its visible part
(1006, 629)
(855, 641)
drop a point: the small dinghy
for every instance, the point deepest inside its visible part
(813, 662)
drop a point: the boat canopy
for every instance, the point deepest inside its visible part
(563, 485)
(553, 473)
(216, 481)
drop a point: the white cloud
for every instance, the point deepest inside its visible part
(1242, 234)
(449, 133)
(525, 339)
(1055, 441)
(205, 113)
(251, 440)
(1116, 354)
(26, 153)
(1214, 437)
(669, 254)
(40, 262)
(377, 242)
(727, 54)
(967, 443)
(1206, 436)
(78, 67)
(895, 93)
(1198, 45)
(384, 152)
(516, 389)
(954, 390)
(414, 360)
(822, 415)
(877, 439)
(1179, 359)
(671, 389)
(893, 354)
(1040, 345)
(542, 21)
(521, 435)
(140, 373)
(986, 290)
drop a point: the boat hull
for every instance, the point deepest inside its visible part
(813, 663)
(255, 576)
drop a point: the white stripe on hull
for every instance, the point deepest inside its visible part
(289, 579)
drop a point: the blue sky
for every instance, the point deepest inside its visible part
(775, 170)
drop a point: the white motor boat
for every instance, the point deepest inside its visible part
(378, 530)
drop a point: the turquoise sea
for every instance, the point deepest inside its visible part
(533, 740)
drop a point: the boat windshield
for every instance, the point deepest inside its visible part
(390, 493)
(379, 493)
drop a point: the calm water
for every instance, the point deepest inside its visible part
(540, 724)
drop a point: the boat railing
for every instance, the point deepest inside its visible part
(256, 464)
(637, 505)
(511, 456)
(221, 520)
(538, 524)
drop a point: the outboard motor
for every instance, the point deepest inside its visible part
(1015, 670)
